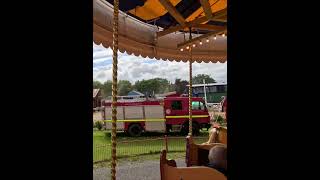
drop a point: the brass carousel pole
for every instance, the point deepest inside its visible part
(190, 86)
(114, 89)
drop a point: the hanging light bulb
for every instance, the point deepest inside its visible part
(193, 45)
(223, 35)
(200, 42)
(207, 40)
(215, 38)
(187, 47)
(181, 49)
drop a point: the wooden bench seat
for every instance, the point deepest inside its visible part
(197, 154)
(170, 171)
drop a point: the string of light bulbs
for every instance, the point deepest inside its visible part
(200, 42)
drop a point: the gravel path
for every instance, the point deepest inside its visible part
(147, 170)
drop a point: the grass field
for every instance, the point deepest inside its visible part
(146, 147)
(133, 147)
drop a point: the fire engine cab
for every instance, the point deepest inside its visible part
(166, 115)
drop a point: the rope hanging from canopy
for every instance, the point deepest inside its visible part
(114, 90)
(190, 86)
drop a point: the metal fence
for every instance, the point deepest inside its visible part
(131, 148)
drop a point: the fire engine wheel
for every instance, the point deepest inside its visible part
(135, 130)
(195, 129)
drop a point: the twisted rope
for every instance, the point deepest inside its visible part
(114, 89)
(190, 86)
(190, 94)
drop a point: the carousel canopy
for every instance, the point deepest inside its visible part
(160, 28)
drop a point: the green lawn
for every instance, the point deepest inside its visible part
(148, 144)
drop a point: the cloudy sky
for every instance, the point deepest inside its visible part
(135, 68)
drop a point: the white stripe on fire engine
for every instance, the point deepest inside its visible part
(195, 116)
(138, 120)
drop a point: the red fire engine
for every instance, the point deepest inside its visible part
(167, 115)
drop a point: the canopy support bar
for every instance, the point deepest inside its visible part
(216, 17)
(114, 89)
(206, 8)
(173, 12)
(190, 86)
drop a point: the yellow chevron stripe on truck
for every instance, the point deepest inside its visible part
(156, 120)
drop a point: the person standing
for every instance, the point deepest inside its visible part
(213, 132)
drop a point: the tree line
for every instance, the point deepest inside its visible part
(151, 86)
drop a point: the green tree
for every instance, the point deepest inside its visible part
(171, 87)
(97, 85)
(107, 88)
(163, 85)
(124, 87)
(150, 86)
(145, 86)
(200, 77)
(180, 85)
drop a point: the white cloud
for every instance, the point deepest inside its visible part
(135, 68)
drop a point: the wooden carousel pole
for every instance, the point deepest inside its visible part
(114, 89)
(190, 86)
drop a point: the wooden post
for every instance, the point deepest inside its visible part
(166, 142)
(114, 89)
(190, 86)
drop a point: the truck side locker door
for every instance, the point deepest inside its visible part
(120, 116)
(156, 113)
(174, 108)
